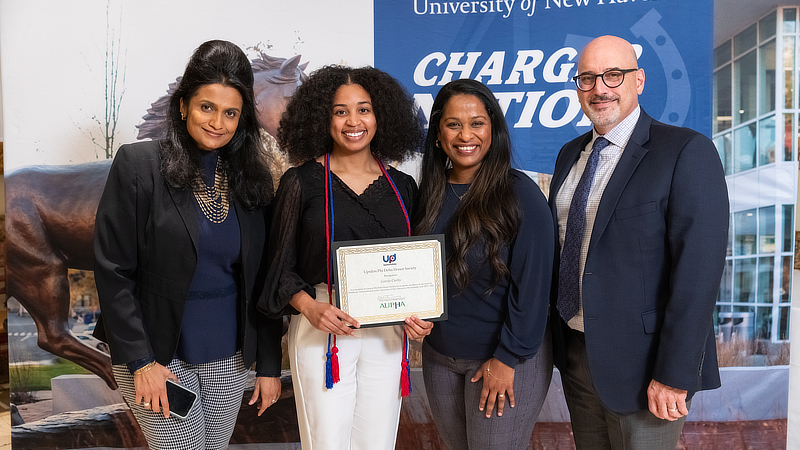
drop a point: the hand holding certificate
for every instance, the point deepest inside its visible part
(384, 281)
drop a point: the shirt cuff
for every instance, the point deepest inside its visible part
(505, 357)
(139, 363)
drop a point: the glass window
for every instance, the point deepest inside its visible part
(786, 279)
(730, 236)
(745, 40)
(763, 325)
(743, 321)
(767, 78)
(789, 20)
(766, 229)
(745, 85)
(788, 228)
(767, 27)
(744, 148)
(788, 71)
(722, 54)
(725, 151)
(788, 127)
(744, 280)
(798, 136)
(766, 141)
(715, 320)
(719, 309)
(745, 229)
(722, 99)
(783, 325)
(766, 267)
(726, 284)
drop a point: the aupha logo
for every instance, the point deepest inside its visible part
(390, 259)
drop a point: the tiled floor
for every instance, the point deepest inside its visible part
(419, 433)
(734, 435)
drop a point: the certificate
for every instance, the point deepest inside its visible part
(383, 281)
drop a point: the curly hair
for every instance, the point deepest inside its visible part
(219, 62)
(304, 131)
(485, 213)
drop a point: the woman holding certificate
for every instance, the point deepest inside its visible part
(487, 368)
(344, 124)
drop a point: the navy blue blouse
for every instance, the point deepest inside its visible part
(210, 318)
(509, 323)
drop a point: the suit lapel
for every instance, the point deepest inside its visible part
(631, 157)
(184, 203)
(564, 165)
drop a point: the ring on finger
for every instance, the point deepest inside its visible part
(501, 395)
(672, 409)
(146, 404)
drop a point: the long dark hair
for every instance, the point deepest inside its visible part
(304, 132)
(489, 211)
(219, 62)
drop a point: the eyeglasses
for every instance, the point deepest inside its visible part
(611, 78)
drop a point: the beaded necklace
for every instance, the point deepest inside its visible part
(213, 200)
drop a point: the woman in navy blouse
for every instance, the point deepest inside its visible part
(179, 240)
(487, 368)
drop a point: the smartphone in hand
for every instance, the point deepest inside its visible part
(181, 399)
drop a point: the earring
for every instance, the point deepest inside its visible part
(183, 116)
(438, 144)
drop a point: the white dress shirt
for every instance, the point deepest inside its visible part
(609, 157)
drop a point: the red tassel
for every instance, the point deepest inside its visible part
(335, 362)
(404, 384)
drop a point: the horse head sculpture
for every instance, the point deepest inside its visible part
(274, 82)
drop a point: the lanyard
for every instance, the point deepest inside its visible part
(332, 359)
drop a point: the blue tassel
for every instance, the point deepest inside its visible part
(328, 366)
(328, 372)
(408, 371)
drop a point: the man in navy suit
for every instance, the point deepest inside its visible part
(641, 210)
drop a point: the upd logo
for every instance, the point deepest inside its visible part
(390, 259)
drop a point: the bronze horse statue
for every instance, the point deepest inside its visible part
(50, 214)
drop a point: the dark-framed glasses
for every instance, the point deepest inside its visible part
(611, 78)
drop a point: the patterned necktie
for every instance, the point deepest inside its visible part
(569, 275)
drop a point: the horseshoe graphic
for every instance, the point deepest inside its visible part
(679, 91)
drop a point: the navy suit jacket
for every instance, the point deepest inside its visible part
(653, 267)
(146, 236)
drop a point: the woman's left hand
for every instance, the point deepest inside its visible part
(269, 389)
(417, 328)
(498, 381)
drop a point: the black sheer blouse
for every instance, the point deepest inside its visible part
(296, 244)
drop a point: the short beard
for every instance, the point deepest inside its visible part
(609, 116)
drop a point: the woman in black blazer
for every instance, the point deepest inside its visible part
(179, 238)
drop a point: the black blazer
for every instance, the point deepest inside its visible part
(653, 266)
(145, 247)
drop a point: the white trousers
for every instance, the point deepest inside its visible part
(362, 410)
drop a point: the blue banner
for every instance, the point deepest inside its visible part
(527, 51)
